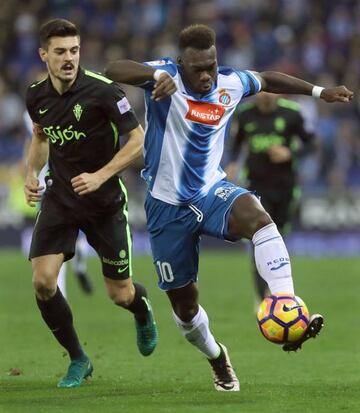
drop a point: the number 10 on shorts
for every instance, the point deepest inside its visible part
(165, 271)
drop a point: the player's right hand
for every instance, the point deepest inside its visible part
(279, 154)
(32, 190)
(164, 87)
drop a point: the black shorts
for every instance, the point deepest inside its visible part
(57, 227)
(279, 205)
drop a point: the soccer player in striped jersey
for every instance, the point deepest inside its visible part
(189, 104)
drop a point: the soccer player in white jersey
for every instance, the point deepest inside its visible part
(189, 104)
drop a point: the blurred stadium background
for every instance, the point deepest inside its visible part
(318, 40)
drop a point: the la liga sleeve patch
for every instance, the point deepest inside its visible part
(123, 105)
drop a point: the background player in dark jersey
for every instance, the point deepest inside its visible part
(78, 116)
(269, 131)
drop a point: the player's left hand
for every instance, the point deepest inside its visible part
(85, 183)
(279, 154)
(164, 87)
(337, 94)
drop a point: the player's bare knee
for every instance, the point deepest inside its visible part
(184, 301)
(186, 312)
(122, 297)
(247, 216)
(44, 285)
(261, 219)
(248, 223)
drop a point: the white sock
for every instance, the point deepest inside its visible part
(62, 279)
(26, 235)
(272, 260)
(197, 332)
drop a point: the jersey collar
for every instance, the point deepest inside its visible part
(74, 87)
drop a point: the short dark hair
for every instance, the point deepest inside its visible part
(197, 36)
(56, 28)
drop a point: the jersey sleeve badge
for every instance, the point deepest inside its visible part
(123, 105)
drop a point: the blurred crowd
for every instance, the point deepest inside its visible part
(318, 40)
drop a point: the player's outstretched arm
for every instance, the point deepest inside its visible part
(129, 72)
(132, 150)
(276, 82)
(134, 73)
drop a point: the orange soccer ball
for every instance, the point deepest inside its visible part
(282, 318)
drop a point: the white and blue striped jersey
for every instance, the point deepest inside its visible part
(185, 133)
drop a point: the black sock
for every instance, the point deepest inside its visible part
(139, 306)
(58, 317)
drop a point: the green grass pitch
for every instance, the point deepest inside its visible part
(323, 377)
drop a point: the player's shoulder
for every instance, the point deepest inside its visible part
(37, 84)
(244, 80)
(239, 73)
(229, 74)
(164, 63)
(288, 105)
(97, 78)
(228, 78)
(36, 88)
(226, 71)
(99, 86)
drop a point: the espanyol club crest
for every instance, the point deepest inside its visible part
(224, 98)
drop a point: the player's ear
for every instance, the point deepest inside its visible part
(42, 53)
(179, 60)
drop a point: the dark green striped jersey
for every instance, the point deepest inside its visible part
(83, 127)
(258, 131)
